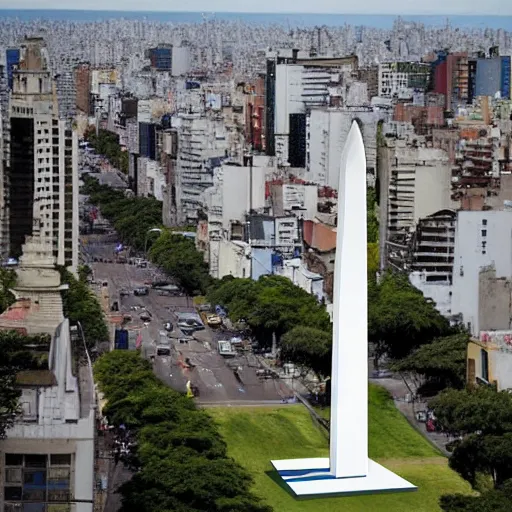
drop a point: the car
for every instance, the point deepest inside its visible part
(163, 350)
(190, 324)
(168, 326)
(145, 316)
(124, 293)
(143, 290)
(213, 320)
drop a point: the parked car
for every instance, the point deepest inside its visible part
(168, 326)
(124, 293)
(143, 290)
(163, 350)
(190, 324)
(213, 320)
(145, 316)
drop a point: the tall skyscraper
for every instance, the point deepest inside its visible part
(42, 191)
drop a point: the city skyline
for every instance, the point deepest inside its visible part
(395, 7)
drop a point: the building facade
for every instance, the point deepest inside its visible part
(43, 172)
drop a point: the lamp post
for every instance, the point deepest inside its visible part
(152, 230)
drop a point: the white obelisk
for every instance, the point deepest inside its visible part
(349, 385)
(348, 470)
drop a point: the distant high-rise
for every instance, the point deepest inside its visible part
(42, 190)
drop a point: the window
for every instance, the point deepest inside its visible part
(484, 222)
(484, 232)
(484, 356)
(32, 481)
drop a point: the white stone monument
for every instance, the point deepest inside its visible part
(348, 470)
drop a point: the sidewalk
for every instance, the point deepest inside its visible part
(103, 464)
(399, 391)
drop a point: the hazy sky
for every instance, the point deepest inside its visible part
(435, 7)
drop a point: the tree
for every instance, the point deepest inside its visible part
(271, 305)
(178, 256)
(7, 283)
(495, 500)
(181, 460)
(482, 418)
(372, 254)
(400, 319)
(106, 143)
(372, 221)
(308, 347)
(81, 305)
(441, 363)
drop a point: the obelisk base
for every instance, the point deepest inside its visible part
(312, 477)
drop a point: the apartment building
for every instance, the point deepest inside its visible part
(43, 173)
(47, 460)
(327, 131)
(295, 83)
(201, 144)
(429, 259)
(4, 163)
(394, 77)
(415, 183)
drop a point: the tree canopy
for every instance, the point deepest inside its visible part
(495, 500)
(400, 318)
(308, 347)
(106, 143)
(482, 417)
(372, 222)
(178, 256)
(80, 304)
(442, 363)
(131, 217)
(270, 305)
(181, 459)
(7, 283)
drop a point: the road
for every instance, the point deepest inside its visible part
(218, 380)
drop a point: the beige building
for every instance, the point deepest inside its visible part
(43, 174)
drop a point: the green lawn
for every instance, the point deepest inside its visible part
(257, 435)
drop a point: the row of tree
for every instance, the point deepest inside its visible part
(178, 257)
(106, 143)
(133, 217)
(80, 304)
(180, 459)
(400, 318)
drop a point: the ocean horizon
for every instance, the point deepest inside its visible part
(380, 21)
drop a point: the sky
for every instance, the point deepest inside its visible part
(405, 7)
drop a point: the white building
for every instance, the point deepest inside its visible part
(226, 204)
(181, 60)
(201, 142)
(295, 270)
(483, 238)
(48, 455)
(327, 132)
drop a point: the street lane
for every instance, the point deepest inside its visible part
(198, 361)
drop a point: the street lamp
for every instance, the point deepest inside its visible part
(152, 230)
